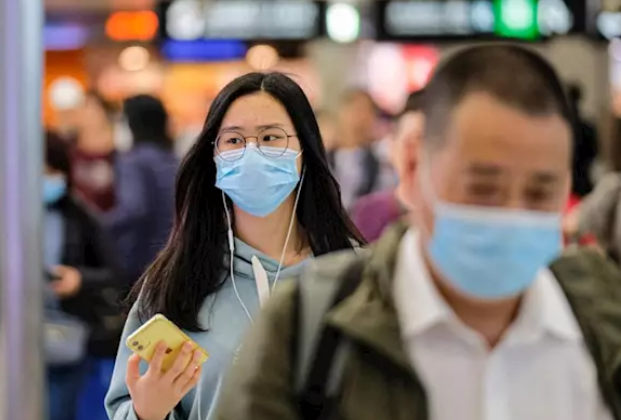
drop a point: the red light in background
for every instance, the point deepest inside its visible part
(420, 61)
(132, 26)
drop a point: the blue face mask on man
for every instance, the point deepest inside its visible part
(489, 252)
(54, 188)
(257, 184)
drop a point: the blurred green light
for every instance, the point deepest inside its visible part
(516, 19)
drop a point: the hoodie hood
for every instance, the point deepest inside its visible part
(242, 264)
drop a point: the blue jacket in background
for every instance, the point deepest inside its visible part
(145, 197)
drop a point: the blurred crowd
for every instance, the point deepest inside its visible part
(135, 215)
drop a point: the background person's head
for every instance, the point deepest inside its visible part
(406, 137)
(95, 131)
(327, 127)
(358, 115)
(497, 134)
(192, 265)
(148, 120)
(57, 168)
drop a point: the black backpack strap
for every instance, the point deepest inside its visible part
(318, 386)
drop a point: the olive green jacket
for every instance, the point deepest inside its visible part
(378, 380)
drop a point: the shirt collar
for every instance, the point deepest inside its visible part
(545, 309)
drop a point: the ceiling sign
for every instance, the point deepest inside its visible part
(191, 20)
(608, 19)
(466, 19)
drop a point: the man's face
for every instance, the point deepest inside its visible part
(358, 115)
(494, 156)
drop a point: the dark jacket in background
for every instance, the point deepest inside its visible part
(144, 214)
(88, 249)
(369, 173)
(585, 153)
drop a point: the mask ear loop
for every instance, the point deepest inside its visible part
(232, 257)
(291, 222)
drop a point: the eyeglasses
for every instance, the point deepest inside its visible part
(272, 142)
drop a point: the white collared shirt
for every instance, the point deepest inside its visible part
(541, 369)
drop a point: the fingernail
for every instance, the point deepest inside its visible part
(161, 346)
(197, 355)
(187, 347)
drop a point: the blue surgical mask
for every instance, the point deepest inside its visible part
(492, 253)
(54, 188)
(258, 184)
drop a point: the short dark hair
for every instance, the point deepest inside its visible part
(512, 74)
(57, 155)
(574, 91)
(414, 103)
(148, 120)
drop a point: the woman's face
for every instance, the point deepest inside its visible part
(259, 119)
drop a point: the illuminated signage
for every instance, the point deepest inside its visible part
(608, 20)
(203, 50)
(434, 19)
(132, 26)
(516, 19)
(192, 20)
(65, 36)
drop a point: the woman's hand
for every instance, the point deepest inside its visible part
(156, 393)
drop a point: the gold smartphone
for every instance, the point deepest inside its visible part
(144, 341)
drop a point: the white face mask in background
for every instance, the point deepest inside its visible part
(123, 139)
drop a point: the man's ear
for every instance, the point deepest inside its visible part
(408, 189)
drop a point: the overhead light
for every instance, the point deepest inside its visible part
(132, 26)
(262, 57)
(609, 24)
(343, 22)
(134, 58)
(65, 93)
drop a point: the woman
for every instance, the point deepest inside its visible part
(145, 186)
(94, 153)
(255, 184)
(81, 270)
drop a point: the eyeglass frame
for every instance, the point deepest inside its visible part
(245, 139)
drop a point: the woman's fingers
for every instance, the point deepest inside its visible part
(155, 365)
(133, 370)
(193, 380)
(181, 362)
(189, 372)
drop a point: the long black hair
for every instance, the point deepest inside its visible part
(147, 120)
(192, 265)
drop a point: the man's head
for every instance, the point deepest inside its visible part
(497, 134)
(358, 116)
(493, 170)
(407, 136)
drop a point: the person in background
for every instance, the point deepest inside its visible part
(255, 201)
(459, 315)
(374, 212)
(79, 259)
(94, 153)
(143, 215)
(585, 147)
(352, 156)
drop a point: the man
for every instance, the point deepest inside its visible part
(374, 212)
(460, 318)
(352, 157)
